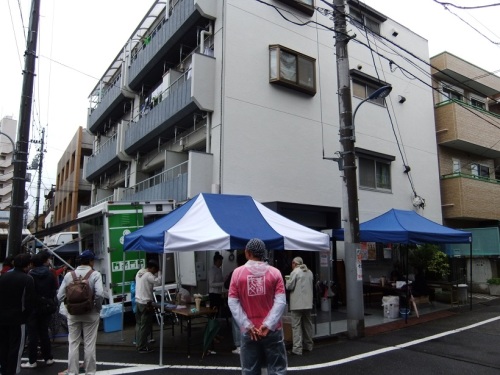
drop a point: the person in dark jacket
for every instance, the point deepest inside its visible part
(17, 300)
(38, 323)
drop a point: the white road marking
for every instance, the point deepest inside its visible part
(128, 368)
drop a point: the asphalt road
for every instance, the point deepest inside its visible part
(467, 342)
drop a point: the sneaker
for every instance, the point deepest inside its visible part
(146, 350)
(49, 362)
(237, 351)
(150, 341)
(28, 365)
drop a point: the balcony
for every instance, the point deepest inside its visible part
(191, 92)
(470, 197)
(102, 159)
(179, 183)
(105, 107)
(467, 128)
(184, 15)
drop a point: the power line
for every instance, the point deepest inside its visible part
(466, 7)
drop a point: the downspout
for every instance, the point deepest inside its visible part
(203, 34)
(208, 147)
(124, 87)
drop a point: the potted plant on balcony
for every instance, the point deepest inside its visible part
(494, 286)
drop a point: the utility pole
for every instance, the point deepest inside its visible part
(40, 166)
(354, 282)
(23, 135)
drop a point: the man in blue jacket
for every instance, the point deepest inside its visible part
(17, 299)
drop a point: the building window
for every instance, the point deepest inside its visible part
(305, 6)
(451, 94)
(361, 20)
(362, 90)
(2, 171)
(374, 170)
(292, 69)
(477, 103)
(2, 157)
(479, 170)
(457, 168)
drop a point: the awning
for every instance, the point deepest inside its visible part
(61, 227)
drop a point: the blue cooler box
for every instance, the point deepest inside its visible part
(112, 317)
(113, 323)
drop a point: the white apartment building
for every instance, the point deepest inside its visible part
(240, 97)
(8, 128)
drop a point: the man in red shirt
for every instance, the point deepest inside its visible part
(257, 301)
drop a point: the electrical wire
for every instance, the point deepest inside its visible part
(465, 7)
(472, 27)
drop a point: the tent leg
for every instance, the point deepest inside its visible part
(123, 293)
(162, 308)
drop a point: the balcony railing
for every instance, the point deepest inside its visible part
(157, 119)
(164, 37)
(170, 184)
(102, 158)
(112, 98)
(466, 196)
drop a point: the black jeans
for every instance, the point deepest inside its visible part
(38, 330)
(11, 348)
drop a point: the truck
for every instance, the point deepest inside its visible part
(102, 228)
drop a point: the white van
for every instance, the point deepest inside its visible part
(61, 238)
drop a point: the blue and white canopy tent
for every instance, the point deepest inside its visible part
(222, 222)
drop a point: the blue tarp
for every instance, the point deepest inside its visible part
(406, 227)
(223, 222)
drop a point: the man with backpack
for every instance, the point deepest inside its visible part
(82, 292)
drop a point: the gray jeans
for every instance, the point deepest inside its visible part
(302, 330)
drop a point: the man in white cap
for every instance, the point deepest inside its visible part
(300, 285)
(257, 301)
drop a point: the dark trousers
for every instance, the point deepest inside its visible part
(144, 317)
(38, 330)
(11, 348)
(216, 301)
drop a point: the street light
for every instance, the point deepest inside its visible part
(355, 308)
(379, 93)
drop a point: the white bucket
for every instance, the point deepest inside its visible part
(325, 304)
(391, 307)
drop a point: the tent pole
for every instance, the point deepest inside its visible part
(162, 308)
(407, 305)
(470, 271)
(123, 293)
(53, 251)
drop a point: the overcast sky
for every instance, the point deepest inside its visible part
(79, 39)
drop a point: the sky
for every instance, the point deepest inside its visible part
(79, 39)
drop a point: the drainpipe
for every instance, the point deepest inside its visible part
(125, 89)
(203, 34)
(209, 133)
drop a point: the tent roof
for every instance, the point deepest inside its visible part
(400, 226)
(223, 222)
